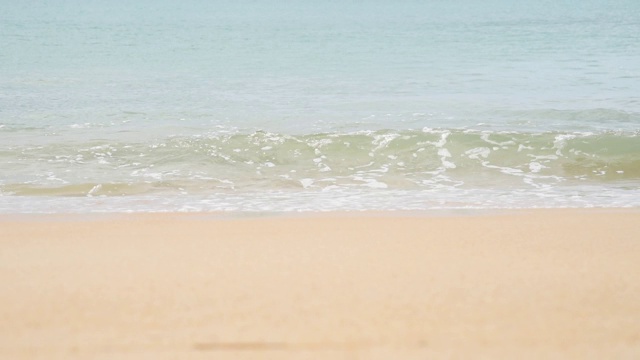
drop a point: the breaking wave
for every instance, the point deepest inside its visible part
(385, 159)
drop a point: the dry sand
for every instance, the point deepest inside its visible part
(524, 284)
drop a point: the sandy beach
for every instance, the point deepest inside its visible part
(520, 284)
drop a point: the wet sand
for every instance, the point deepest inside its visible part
(521, 284)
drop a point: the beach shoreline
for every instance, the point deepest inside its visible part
(553, 283)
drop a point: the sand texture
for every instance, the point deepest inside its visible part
(525, 284)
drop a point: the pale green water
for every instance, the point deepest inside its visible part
(303, 105)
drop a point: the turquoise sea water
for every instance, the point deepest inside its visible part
(269, 105)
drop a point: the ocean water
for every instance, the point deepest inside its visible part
(301, 105)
